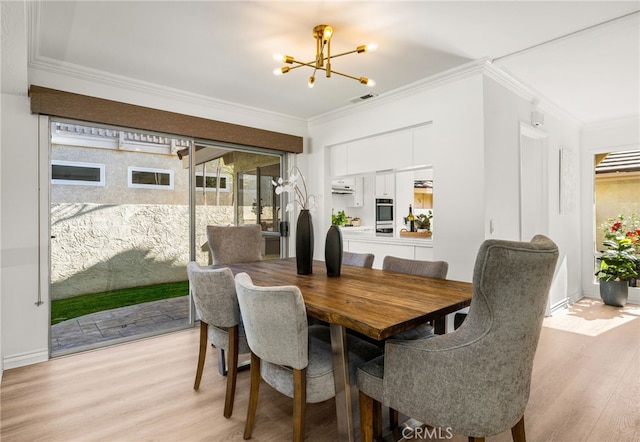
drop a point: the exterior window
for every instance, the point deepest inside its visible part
(209, 181)
(76, 173)
(146, 178)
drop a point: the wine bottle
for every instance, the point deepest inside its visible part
(411, 220)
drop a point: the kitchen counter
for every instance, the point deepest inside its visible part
(368, 234)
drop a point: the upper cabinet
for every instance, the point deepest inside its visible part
(386, 152)
(383, 152)
(423, 145)
(349, 190)
(338, 160)
(386, 185)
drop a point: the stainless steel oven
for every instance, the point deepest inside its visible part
(384, 216)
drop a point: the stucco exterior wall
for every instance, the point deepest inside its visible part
(116, 189)
(98, 247)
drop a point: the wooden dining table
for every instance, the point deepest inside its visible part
(375, 303)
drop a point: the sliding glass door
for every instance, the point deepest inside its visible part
(119, 235)
(237, 191)
(126, 217)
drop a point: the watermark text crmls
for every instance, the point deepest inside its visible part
(437, 433)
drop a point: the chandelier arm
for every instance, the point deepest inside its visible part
(345, 75)
(311, 65)
(343, 53)
(301, 63)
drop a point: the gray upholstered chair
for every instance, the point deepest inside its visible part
(358, 259)
(232, 244)
(291, 356)
(229, 245)
(430, 269)
(214, 295)
(474, 381)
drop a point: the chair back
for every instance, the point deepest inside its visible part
(486, 364)
(214, 295)
(430, 269)
(358, 259)
(275, 322)
(232, 244)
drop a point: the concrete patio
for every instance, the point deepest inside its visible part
(117, 325)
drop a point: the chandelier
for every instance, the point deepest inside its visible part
(322, 62)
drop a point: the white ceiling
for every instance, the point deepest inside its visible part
(223, 49)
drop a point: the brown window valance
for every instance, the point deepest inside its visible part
(63, 104)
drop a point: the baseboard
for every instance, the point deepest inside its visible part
(566, 302)
(21, 360)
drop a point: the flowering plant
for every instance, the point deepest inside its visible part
(296, 186)
(622, 240)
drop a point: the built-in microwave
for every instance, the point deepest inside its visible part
(384, 216)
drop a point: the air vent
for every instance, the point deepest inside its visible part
(362, 98)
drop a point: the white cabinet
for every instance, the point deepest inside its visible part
(361, 157)
(424, 253)
(382, 152)
(381, 248)
(385, 185)
(338, 160)
(342, 185)
(423, 146)
(349, 190)
(357, 199)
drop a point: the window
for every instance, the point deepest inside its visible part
(76, 173)
(143, 177)
(209, 181)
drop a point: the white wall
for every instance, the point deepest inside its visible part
(505, 111)
(475, 126)
(622, 134)
(456, 110)
(24, 326)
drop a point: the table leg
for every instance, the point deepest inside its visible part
(440, 325)
(344, 390)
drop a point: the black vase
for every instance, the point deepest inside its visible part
(333, 251)
(304, 243)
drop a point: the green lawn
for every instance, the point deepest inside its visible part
(63, 309)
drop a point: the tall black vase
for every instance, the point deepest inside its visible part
(333, 251)
(304, 243)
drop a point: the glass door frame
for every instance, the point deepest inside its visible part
(284, 216)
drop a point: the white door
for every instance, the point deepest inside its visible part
(534, 197)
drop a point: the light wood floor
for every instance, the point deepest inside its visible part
(586, 387)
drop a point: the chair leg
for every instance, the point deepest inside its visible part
(377, 420)
(367, 407)
(393, 418)
(299, 403)
(222, 367)
(253, 396)
(517, 431)
(476, 439)
(232, 364)
(201, 354)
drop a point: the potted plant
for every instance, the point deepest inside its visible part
(423, 222)
(618, 262)
(338, 220)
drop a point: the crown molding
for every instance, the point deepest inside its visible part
(537, 100)
(437, 80)
(69, 70)
(37, 62)
(482, 66)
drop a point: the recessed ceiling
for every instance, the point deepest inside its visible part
(223, 50)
